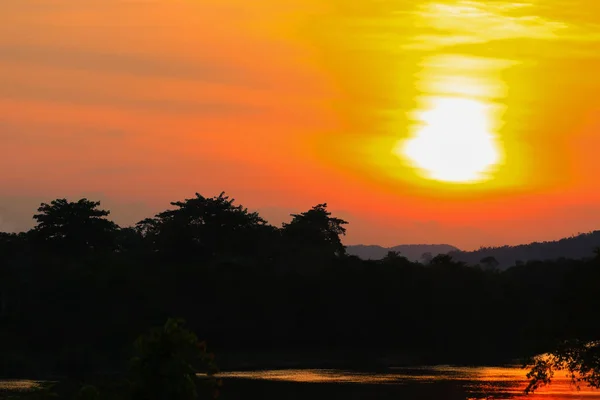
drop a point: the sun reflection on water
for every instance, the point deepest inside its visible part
(480, 382)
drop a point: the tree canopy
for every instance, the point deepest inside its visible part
(74, 227)
(203, 228)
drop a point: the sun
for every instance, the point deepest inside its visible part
(453, 142)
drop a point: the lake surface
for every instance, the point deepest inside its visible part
(440, 382)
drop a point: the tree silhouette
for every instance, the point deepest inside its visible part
(74, 227)
(167, 362)
(442, 259)
(203, 228)
(395, 258)
(580, 359)
(392, 255)
(489, 262)
(426, 258)
(316, 232)
(596, 252)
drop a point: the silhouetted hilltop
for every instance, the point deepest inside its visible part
(574, 247)
(413, 252)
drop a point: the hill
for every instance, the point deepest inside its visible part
(574, 247)
(411, 251)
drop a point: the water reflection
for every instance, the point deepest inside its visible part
(478, 383)
(425, 382)
(18, 384)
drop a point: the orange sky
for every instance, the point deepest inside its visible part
(285, 104)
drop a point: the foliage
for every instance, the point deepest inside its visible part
(202, 228)
(74, 227)
(426, 258)
(167, 362)
(88, 392)
(573, 247)
(316, 232)
(489, 262)
(580, 359)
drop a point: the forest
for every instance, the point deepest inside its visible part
(77, 290)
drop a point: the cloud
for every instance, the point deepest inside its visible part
(63, 135)
(469, 22)
(206, 69)
(68, 93)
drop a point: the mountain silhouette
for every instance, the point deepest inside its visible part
(413, 252)
(579, 246)
(575, 247)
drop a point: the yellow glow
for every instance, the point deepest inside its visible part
(448, 98)
(454, 142)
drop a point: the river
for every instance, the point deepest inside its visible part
(439, 383)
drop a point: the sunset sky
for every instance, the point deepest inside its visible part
(284, 104)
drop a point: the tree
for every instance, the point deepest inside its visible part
(87, 392)
(13, 250)
(74, 227)
(203, 228)
(392, 255)
(489, 262)
(444, 259)
(581, 360)
(316, 230)
(596, 253)
(395, 258)
(167, 362)
(426, 258)
(128, 239)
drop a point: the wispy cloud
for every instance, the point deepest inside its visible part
(63, 135)
(115, 96)
(468, 22)
(193, 69)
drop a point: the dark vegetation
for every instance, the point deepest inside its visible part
(168, 363)
(576, 247)
(76, 291)
(580, 246)
(580, 359)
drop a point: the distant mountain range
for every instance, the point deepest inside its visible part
(574, 247)
(411, 251)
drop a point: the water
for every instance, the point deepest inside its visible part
(17, 385)
(427, 382)
(440, 382)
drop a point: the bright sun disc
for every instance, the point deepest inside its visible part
(454, 142)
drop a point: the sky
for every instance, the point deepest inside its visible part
(472, 123)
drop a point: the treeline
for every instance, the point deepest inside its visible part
(76, 290)
(580, 246)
